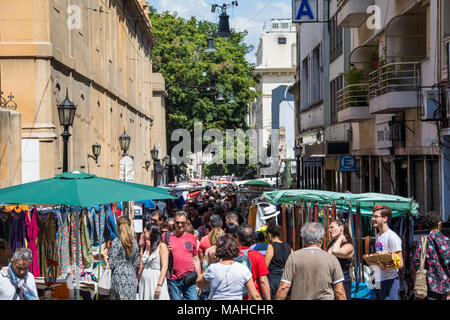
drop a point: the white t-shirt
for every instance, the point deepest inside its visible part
(8, 291)
(227, 282)
(390, 242)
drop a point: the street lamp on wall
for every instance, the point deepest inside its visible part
(147, 164)
(298, 150)
(154, 153)
(66, 113)
(96, 149)
(124, 141)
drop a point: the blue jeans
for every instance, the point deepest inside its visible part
(179, 291)
(388, 289)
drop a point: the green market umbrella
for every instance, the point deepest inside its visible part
(80, 189)
(258, 183)
(367, 201)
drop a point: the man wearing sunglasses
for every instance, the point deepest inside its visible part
(184, 264)
(387, 284)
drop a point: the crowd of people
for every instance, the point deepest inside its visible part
(208, 251)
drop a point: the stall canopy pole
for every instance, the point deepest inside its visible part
(77, 268)
(283, 221)
(293, 234)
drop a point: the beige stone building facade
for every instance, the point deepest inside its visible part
(100, 51)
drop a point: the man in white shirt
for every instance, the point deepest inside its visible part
(16, 283)
(387, 284)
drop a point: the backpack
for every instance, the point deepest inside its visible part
(170, 266)
(245, 260)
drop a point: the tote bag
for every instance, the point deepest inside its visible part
(420, 285)
(104, 284)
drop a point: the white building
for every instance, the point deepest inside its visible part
(275, 65)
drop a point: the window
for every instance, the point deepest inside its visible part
(281, 40)
(316, 76)
(275, 25)
(335, 39)
(305, 84)
(285, 25)
(335, 86)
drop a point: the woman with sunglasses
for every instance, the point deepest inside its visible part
(341, 247)
(153, 267)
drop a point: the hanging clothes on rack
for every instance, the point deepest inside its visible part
(46, 241)
(88, 257)
(110, 224)
(62, 242)
(32, 230)
(18, 224)
(5, 225)
(73, 242)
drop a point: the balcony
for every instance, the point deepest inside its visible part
(393, 87)
(352, 13)
(353, 103)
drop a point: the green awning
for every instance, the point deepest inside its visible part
(367, 201)
(258, 183)
(80, 189)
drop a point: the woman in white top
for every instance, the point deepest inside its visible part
(153, 268)
(228, 278)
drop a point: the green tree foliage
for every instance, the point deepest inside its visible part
(178, 55)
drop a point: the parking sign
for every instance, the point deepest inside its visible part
(347, 163)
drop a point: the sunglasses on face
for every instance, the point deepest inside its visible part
(154, 220)
(180, 223)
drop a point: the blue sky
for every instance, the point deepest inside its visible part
(249, 14)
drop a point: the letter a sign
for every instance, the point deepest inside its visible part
(304, 11)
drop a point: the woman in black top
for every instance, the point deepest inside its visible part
(276, 255)
(341, 247)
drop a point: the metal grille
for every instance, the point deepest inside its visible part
(419, 185)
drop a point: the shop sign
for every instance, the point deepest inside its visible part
(312, 162)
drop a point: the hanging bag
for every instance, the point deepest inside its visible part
(420, 284)
(104, 284)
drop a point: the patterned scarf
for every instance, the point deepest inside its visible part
(25, 293)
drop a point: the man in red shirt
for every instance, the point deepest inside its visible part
(216, 223)
(186, 264)
(259, 269)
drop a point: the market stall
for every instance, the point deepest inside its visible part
(301, 206)
(68, 198)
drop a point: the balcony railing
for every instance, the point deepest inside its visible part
(340, 4)
(402, 76)
(354, 95)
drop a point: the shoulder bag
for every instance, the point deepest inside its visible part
(104, 284)
(420, 284)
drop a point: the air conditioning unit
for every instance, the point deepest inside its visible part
(431, 107)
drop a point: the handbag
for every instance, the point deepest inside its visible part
(420, 284)
(104, 284)
(190, 278)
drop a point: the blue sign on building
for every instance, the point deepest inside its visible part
(304, 11)
(347, 163)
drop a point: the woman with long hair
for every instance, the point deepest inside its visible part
(341, 247)
(123, 258)
(276, 256)
(153, 268)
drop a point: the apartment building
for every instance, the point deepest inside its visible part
(274, 108)
(323, 57)
(396, 75)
